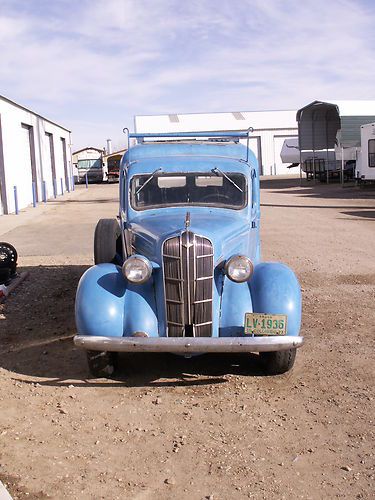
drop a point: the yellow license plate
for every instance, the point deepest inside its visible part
(265, 324)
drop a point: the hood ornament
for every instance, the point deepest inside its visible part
(187, 220)
(187, 242)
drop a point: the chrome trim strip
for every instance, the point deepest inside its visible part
(187, 232)
(180, 287)
(185, 345)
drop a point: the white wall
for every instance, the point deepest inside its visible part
(16, 152)
(268, 128)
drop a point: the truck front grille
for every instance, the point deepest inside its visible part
(188, 279)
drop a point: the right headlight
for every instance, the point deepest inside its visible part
(239, 268)
(137, 269)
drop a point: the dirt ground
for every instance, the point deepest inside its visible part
(212, 427)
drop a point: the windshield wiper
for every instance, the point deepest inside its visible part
(148, 180)
(217, 170)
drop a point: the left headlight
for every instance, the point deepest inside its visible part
(239, 268)
(137, 269)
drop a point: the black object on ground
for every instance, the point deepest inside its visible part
(8, 263)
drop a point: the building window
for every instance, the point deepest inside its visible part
(238, 115)
(173, 118)
(371, 153)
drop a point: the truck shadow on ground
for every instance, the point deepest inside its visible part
(320, 190)
(36, 340)
(360, 214)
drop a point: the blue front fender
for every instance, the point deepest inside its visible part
(276, 290)
(108, 305)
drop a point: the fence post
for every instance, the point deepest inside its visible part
(62, 187)
(54, 188)
(87, 181)
(73, 185)
(33, 187)
(44, 192)
(15, 200)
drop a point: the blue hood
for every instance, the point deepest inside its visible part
(228, 230)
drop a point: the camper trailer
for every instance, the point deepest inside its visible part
(318, 163)
(365, 169)
(313, 162)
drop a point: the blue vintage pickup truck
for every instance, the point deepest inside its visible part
(179, 270)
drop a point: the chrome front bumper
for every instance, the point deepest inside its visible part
(184, 345)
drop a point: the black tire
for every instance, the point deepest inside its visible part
(107, 241)
(278, 362)
(102, 364)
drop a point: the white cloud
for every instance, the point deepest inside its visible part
(93, 64)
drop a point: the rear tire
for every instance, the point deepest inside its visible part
(107, 241)
(102, 364)
(278, 362)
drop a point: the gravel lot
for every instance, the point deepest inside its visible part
(213, 427)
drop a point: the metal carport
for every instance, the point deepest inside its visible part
(318, 124)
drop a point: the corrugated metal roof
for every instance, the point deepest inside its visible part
(321, 122)
(318, 123)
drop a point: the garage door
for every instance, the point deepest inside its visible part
(25, 193)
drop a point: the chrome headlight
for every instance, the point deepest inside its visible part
(137, 269)
(239, 268)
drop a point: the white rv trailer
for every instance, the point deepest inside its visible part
(365, 168)
(291, 154)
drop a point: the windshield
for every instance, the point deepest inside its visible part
(217, 189)
(97, 163)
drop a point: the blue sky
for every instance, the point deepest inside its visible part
(91, 65)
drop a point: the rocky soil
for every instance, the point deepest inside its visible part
(212, 427)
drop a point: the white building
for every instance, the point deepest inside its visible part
(270, 129)
(35, 157)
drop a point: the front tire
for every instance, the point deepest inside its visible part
(278, 362)
(107, 241)
(102, 364)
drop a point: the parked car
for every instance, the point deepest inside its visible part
(180, 269)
